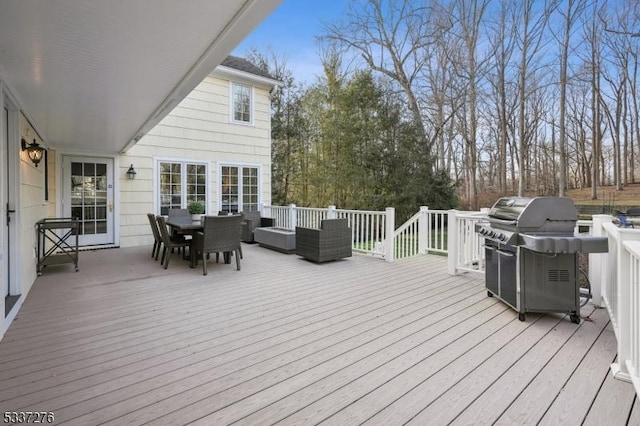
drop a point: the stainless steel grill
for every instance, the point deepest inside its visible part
(531, 254)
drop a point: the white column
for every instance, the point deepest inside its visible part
(619, 368)
(292, 216)
(452, 242)
(390, 228)
(331, 212)
(597, 260)
(424, 230)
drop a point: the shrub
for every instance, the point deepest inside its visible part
(196, 208)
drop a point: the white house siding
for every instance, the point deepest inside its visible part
(199, 128)
(33, 207)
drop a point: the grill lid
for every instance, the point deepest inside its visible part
(534, 215)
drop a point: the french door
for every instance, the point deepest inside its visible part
(88, 195)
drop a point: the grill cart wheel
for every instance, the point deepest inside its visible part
(489, 294)
(575, 319)
(521, 317)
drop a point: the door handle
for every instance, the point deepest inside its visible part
(9, 211)
(110, 206)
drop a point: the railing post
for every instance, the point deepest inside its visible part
(596, 260)
(390, 228)
(292, 216)
(623, 275)
(452, 242)
(424, 230)
(331, 212)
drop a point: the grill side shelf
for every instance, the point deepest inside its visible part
(562, 244)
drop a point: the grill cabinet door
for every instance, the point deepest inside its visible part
(491, 268)
(550, 282)
(507, 280)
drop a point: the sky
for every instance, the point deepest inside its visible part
(291, 31)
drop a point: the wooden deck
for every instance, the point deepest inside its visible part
(356, 341)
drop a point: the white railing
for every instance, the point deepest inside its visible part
(632, 362)
(425, 232)
(615, 282)
(369, 229)
(280, 214)
(406, 237)
(465, 246)
(309, 217)
(437, 231)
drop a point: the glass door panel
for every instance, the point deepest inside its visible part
(89, 196)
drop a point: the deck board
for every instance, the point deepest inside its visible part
(634, 418)
(612, 405)
(529, 406)
(284, 340)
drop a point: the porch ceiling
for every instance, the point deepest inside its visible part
(92, 75)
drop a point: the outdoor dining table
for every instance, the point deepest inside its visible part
(184, 224)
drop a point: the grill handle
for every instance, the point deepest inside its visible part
(502, 252)
(505, 253)
(504, 222)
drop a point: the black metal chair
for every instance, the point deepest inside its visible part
(220, 234)
(156, 235)
(170, 242)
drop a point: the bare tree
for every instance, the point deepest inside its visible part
(390, 36)
(573, 10)
(468, 15)
(532, 31)
(503, 36)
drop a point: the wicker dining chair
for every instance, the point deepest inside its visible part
(175, 213)
(220, 234)
(179, 213)
(170, 242)
(157, 244)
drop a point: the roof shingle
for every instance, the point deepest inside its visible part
(242, 64)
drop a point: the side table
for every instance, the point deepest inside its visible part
(61, 250)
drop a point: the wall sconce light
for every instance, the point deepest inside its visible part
(34, 151)
(131, 173)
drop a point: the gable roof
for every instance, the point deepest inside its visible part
(242, 64)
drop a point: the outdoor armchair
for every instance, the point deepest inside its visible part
(251, 221)
(220, 234)
(331, 242)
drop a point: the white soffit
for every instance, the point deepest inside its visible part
(94, 74)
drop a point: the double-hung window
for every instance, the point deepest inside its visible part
(239, 189)
(180, 184)
(241, 103)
